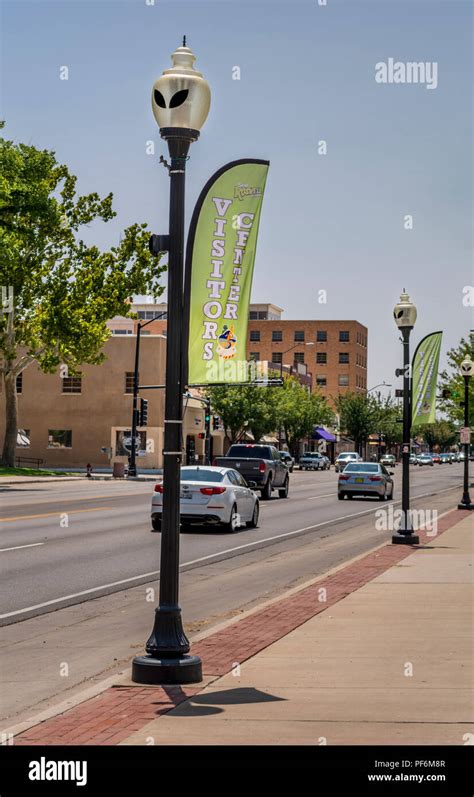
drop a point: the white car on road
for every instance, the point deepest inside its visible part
(211, 495)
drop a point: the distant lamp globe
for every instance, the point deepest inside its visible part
(404, 312)
(181, 97)
(467, 367)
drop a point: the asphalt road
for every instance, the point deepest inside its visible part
(63, 544)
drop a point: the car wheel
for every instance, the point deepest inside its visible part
(252, 524)
(267, 490)
(156, 523)
(232, 524)
(383, 497)
(350, 496)
(340, 496)
(283, 492)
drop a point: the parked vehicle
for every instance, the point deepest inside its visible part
(287, 460)
(388, 460)
(413, 459)
(344, 458)
(425, 459)
(365, 478)
(436, 458)
(218, 496)
(446, 458)
(259, 463)
(312, 460)
(327, 461)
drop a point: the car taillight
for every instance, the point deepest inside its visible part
(212, 490)
(343, 478)
(375, 478)
(261, 467)
(158, 488)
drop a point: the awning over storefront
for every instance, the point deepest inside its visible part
(321, 434)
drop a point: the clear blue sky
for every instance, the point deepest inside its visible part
(331, 222)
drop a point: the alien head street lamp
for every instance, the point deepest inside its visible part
(467, 371)
(180, 102)
(404, 314)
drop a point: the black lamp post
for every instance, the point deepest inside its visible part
(404, 314)
(180, 102)
(467, 370)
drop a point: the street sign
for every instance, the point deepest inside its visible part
(465, 435)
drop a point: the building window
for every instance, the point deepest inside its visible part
(59, 438)
(299, 357)
(19, 384)
(299, 336)
(72, 384)
(254, 355)
(321, 357)
(343, 356)
(321, 336)
(277, 335)
(321, 381)
(122, 332)
(23, 438)
(277, 357)
(129, 381)
(253, 315)
(344, 336)
(255, 335)
(343, 380)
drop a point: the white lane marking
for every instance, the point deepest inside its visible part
(18, 547)
(314, 497)
(205, 558)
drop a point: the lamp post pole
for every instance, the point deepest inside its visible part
(467, 370)
(168, 660)
(405, 317)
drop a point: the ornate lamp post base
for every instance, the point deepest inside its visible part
(405, 539)
(182, 670)
(466, 506)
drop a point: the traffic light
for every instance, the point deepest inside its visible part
(399, 393)
(207, 417)
(202, 435)
(215, 421)
(143, 412)
(445, 393)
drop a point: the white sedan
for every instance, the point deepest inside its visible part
(211, 495)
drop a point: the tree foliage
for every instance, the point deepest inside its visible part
(58, 291)
(452, 380)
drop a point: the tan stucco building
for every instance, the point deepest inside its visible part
(68, 421)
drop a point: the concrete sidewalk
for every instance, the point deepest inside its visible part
(378, 651)
(389, 664)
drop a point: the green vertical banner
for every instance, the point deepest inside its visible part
(425, 377)
(220, 259)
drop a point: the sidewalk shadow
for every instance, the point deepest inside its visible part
(206, 704)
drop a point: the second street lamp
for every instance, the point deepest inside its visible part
(467, 370)
(180, 102)
(404, 314)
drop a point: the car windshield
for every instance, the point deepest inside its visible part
(361, 467)
(201, 475)
(253, 452)
(347, 456)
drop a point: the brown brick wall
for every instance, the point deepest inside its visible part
(356, 348)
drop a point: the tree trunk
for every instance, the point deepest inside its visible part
(11, 420)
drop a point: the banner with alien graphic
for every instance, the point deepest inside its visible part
(220, 259)
(425, 378)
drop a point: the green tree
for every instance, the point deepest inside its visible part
(387, 412)
(442, 433)
(451, 380)
(243, 407)
(299, 411)
(58, 292)
(360, 415)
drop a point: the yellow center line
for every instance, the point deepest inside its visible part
(52, 514)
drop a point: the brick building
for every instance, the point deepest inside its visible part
(333, 352)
